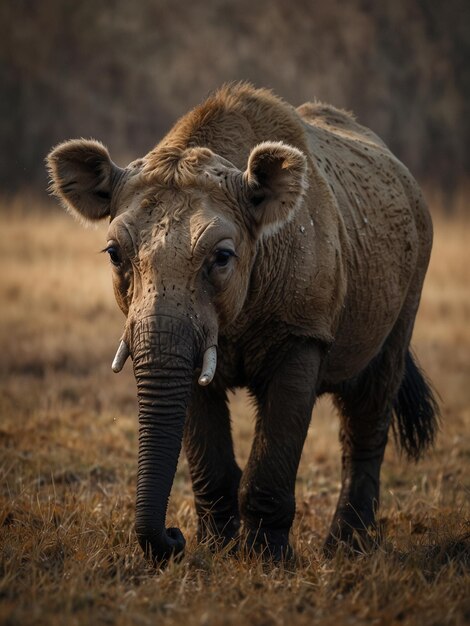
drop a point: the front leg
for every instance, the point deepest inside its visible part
(267, 490)
(214, 472)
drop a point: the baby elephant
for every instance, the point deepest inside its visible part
(273, 248)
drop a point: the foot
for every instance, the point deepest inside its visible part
(272, 544)
(359, 532)
(219, 534)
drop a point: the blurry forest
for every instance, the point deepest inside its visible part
(123, 72)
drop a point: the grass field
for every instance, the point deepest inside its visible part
(68, 455)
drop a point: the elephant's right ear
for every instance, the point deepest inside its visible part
(82, 177)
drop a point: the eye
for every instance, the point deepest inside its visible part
(114, 255)
(222, 257)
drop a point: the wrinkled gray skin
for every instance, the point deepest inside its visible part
(293, 244)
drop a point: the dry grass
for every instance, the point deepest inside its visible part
(68, 461)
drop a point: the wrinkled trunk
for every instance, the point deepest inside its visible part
(163, 356)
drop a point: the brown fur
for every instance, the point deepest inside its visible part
(330, 239)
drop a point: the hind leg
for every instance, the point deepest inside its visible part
(367, 403)
(366, 406)
(363, 440)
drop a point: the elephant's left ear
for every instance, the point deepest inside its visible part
(276, 181)
(83, 177)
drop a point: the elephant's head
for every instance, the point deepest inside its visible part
(182, 241)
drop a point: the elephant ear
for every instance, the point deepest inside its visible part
(83, 177)
(276, 181)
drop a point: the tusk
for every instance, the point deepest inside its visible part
(209, 364)
(121, 357)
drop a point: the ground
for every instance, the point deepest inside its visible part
(68, 454)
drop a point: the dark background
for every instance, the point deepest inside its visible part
(123, 72)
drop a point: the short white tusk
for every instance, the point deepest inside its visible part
(121, 357)
(209, 364)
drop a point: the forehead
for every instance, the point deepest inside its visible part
(165, 213)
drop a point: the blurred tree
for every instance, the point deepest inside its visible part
(123, 72)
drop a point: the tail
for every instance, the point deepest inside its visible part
(417, 414)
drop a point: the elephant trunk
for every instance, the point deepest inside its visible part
(164, 352)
